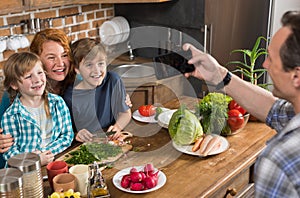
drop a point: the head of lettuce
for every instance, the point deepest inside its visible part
(184, 127)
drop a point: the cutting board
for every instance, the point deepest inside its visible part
(125, 148)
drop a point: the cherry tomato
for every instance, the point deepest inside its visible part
(147, 110)
(234, 105)
(235, 119)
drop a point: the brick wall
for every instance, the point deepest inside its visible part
(77, 21)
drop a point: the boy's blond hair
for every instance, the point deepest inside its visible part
(16, 66)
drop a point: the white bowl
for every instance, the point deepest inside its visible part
(122, 23)
(110, 33)
(165, 117)
(124, 27)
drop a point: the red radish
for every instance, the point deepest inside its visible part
(149, 182)
(148, 168)
(143, 175)
(136, 177)
(126, 180)
(137, 186)
(133, 170)
(154, 176)
(140, 180)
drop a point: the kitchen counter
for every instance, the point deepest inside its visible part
(191, 176)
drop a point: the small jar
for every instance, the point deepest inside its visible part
(29, 164)
(11, 183)
(98, 187)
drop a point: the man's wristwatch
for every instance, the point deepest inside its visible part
(225, 81)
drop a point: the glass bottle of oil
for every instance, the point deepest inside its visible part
(98, 187)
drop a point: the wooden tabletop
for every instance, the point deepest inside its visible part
(188, 176)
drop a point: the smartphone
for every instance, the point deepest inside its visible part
(172, 63)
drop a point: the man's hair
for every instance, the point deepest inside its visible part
(290, 50)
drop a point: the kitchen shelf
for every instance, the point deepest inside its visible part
(121, 1)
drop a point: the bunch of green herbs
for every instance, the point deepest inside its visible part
(88, 153)
(212, 111)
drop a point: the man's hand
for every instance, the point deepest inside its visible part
(206, 67)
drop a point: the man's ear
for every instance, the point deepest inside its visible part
(296, 77)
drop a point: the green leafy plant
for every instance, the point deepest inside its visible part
(247, 67)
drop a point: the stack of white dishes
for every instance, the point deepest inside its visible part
(114, 31)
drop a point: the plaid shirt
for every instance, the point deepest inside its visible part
(277, 170)
(27, 134)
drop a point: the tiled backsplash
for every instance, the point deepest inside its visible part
(77, 21)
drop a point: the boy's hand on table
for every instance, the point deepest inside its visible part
(46, 157)
(117, 131)
(84, 136)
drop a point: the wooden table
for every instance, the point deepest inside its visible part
(190, 176)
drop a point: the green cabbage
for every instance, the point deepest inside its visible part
(184, 127)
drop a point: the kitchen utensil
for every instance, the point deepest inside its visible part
(11, 183)
(124, 27)
(110, 33)
(3, 46)
(54, 168)
(151, 119)
(81, 172)
(24, 42)
(162, 179)
(63, 182)
(29, 164)
(164, 118)
(187, 149)
(13, 43)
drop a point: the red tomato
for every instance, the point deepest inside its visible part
(147, 110)
(235, 119)
(234, 105)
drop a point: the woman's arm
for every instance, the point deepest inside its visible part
(5, 140)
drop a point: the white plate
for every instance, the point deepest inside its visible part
(187, 149)
(118, 177)
(165, 117)
(151, 119)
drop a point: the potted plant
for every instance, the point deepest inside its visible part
(247, 66)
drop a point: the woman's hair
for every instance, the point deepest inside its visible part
(290, 50)
(16, 66)
(86, 48)
(60, 37)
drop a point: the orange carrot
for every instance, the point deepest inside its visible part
(197, 144)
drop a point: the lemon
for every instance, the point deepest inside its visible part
(55, 195)
(77, 195)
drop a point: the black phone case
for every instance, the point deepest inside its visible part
(172, 64)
